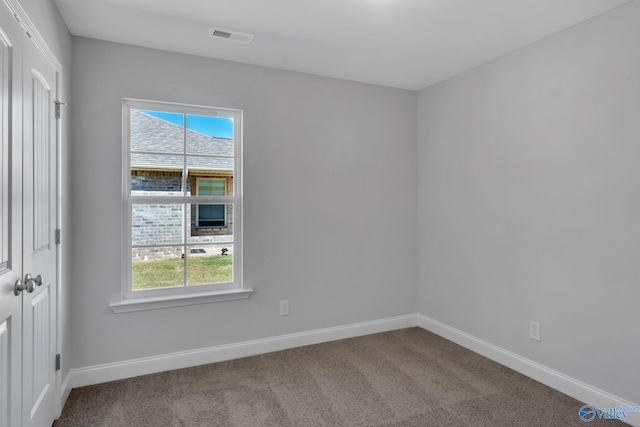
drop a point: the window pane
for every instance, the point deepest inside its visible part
(209, 135)
(207, 264)
(156, 174)
(210, 165)
(156, 131)
(159, 267)
(210, 223)
(157, 224)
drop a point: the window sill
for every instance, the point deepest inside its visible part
(152, 303)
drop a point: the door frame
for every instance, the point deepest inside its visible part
(16, 9)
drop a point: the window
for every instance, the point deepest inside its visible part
(182, 200)
(212, 216)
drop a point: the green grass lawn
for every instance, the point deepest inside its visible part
(170, 272)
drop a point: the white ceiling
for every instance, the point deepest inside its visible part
(407, 44)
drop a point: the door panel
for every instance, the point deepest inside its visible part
(5, 348)
(39, 254)
(11, 38)
(42, 119)
(5, 105)
(40, 312)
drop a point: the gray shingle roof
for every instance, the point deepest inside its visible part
(151, 134)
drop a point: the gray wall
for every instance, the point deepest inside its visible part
(330, 209)
(529, 201)
(50, 25)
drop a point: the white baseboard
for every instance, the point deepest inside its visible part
(570, 386)
(132, 368)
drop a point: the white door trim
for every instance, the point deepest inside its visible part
(29, 27)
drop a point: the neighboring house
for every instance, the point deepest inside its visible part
(157, 171)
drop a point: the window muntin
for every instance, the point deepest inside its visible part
(182, 198)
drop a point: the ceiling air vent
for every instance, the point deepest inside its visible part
(230, 35)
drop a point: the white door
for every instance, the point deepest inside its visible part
(27, 231)
(38, 243)
(11, 37)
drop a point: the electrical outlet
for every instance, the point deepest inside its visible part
(534, 330)
(284, 308)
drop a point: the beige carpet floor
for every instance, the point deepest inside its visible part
(408, 377)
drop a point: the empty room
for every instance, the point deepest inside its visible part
(338, 213)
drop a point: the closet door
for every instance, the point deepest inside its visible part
(39, 250)
(11, 286)
(27, 230)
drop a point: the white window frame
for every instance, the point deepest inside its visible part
(185, 295)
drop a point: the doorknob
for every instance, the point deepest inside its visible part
(29, 284)
(37, 281)
(19, 286)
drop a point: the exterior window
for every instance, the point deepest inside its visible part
(212, 216)
(182, 198)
